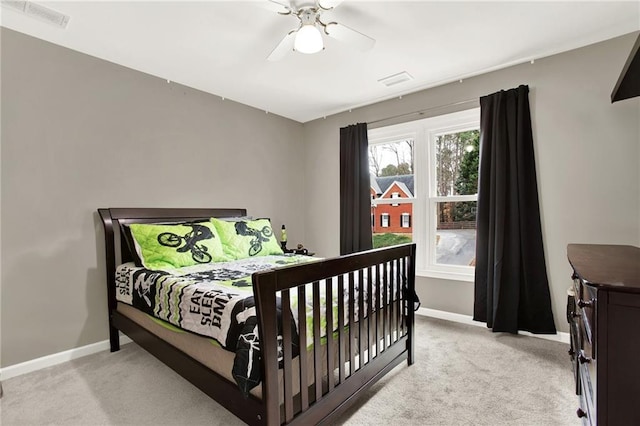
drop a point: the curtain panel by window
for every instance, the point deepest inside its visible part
(511, 286)
(355, 199)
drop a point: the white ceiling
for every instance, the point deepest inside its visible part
(221, 47)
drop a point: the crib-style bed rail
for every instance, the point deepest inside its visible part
(369, 331)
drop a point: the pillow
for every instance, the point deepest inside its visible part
(161, 246)
(125, 232)
(246, 238)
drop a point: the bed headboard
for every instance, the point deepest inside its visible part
(116, 248)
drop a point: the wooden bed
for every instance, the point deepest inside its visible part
(378, 339)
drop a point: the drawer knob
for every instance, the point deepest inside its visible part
(585, 303)
(583, 358)
(581, 413)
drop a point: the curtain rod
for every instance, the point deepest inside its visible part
(422, 111)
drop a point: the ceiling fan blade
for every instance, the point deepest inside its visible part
(282, 7)
(329, 4)
(348, 35)
(285, 46)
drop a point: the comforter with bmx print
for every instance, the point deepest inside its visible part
(214, 300)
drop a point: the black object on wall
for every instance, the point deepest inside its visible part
(628, 85)
(511, 286)
(355, 198)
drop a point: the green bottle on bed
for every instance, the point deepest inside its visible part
(283, 239)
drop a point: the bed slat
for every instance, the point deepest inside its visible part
(385, 306)
(403, 268)
(341, 337)
(353, 349)
(361, 330)
(397, 304)
(317, 347)
(286, 349)
(329, 332)
(302, 332)
(378, 308)
(410, 285)
(370, 295)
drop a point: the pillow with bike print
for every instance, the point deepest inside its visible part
(247, 238)
(125, 232)
(161, 246)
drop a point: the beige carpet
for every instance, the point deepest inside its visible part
(463, 375)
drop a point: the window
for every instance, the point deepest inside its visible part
(384, 220)
(395, 195)
(429, 171)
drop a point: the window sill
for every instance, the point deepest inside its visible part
(454, 276)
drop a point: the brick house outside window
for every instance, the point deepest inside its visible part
(397, 215)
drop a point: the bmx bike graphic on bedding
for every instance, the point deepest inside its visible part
(259, 236)
(190, 240)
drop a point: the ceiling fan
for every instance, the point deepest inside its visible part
(307, 38)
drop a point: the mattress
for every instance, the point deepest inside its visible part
(209, 352)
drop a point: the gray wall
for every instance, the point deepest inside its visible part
(79, 133)
(587, 158)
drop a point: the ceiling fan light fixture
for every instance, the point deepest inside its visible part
(308, 39)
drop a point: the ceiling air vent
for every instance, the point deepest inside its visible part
(39, 12)
(392, 80)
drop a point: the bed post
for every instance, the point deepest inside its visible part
(107, 221)
(411, 305)
(264, 288)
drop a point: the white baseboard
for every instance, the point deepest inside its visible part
(58, 358)
(467, 319)
(55, 359)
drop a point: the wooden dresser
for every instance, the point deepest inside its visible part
(605, 332)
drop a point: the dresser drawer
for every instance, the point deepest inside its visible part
(586, 301)
(572, 319)
(587, 410)
(585, 355)
(585, 349)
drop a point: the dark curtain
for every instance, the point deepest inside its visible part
(355, 198)
(511, 287)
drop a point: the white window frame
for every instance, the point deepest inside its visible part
(404, 216)
(382, 217)
(424, 133)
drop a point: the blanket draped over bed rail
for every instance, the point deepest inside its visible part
(355, 324)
